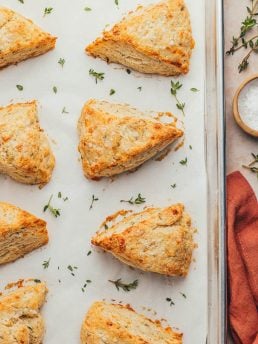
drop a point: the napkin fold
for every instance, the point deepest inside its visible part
(242, 227)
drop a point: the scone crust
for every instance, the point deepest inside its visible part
(20, 233)
(111, 144)
(160, 35)
(20, 320)
(157, 239)
(20, 38)
(113, 323)
(25, 153)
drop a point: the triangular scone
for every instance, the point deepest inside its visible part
(20, 38)
(20, 233)
(156, 239)
(25, 153)
(20, 320)
(115, 138)
(153, 39)
(116, 323)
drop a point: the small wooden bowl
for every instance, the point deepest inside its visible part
(236, 113)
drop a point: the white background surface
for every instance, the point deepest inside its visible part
(70, 234)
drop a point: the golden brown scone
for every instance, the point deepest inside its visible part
(115, 138)
(20, 38)
(20, 320)
(20, 233)
(153, 39)
(25, 153)
(112, 323)
(156, 239)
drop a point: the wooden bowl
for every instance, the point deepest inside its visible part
(236, 113)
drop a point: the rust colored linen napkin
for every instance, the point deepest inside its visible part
(242, 226)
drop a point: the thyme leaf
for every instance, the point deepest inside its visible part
(96, 75)
(47, 10)
(138, 200)
(170, 301)
(19, 87)
(93, 199)
(46, 263)
(183, 162)
(124, 286)
(53, 211)
(61, 61)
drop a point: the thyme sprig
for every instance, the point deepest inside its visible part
(124, 286)
(96, 75)
(252, 166)
(93, 199)
(46, 263)
(241, 41)
(138, 200)
(175, 87)
(53, 211)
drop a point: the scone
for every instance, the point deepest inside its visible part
(156, 239)
(152, 39)
(20, 233)
(25, 153)
(115, 138)
(20, 320)
(112, 323)
(20, 38)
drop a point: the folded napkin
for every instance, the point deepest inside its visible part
(242, 226)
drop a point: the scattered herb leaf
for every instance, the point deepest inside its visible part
(61, 61)
(96, 75)
(175, 87)
(19, 87)
(54, 89)
(173, 186)
(46, 263)
(117, 2)
(71, 269)
(85, 285)
(171, 302)
(193, 89)
(184, 296)
(124, 286)
(184, 162)
(128, 71)
(138, 200)
(37, 281)
(64, 110)
(53, 211)
(112, 91)
(139, 88)
(59, 194)
(47, 10)
(93, 199)
(89, 253)
(87, 9)
(21, 1)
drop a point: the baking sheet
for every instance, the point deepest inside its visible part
(70, 233)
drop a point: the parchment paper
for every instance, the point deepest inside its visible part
(70, 233)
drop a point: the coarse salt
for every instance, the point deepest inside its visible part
(248, 104)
